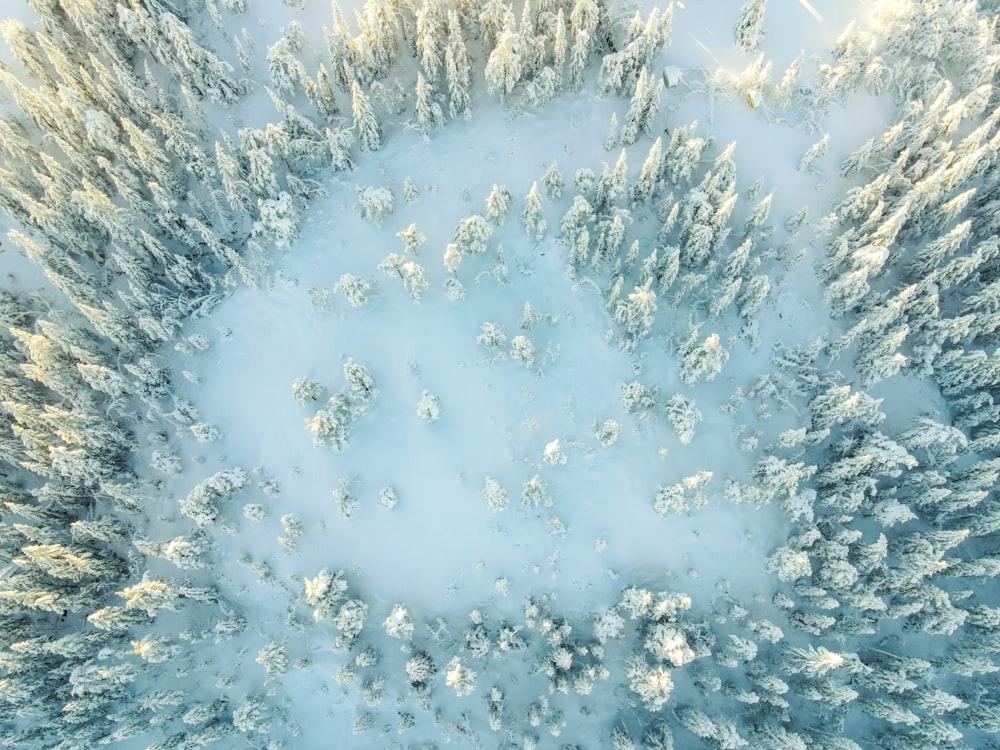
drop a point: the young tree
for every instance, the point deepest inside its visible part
(498, 204)
(531, 215)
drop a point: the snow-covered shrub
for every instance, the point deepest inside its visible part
(254, 512)
(429, 407)
(293, 529)
(187, 551)
(363, 722)
(346, 502)
(553, 453)
(670, 499)
(330, 426)
(765, 630)
(200, 504)
(459, 677)
(736, 652)
(373, 690)
(206, 433)
(533, 493)
(666, 642)
(253, 715)
(523, 350)
(609, 625)
(412, 274)
(399, 624)
(495, 494)
(305, 391)
(278, 221)
(387, 498)
(350, 620)
(149, 595)
(356, 290)
(658, 736)
(683, 417)
(155, 650)
(374, 203)
(620, 740)
(360, 386)
(494, 708)
(420, 668)
(274, 658)
(637, 398)
(492, 335)
(454, 289)
(325, 592)
(166, 462)
(607, 433)
(410, 190)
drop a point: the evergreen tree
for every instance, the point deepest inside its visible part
(365, 123)
(429, 115)
(457, 70)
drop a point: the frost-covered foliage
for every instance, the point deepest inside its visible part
(495, 495)
(429, 407)
(331, 425)
(356, 290)
(375, 203)
(201, 504)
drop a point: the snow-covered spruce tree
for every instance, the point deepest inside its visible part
(531, 214)
(498, 204)
(374, 203)
(428, 111)
(365, 122)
